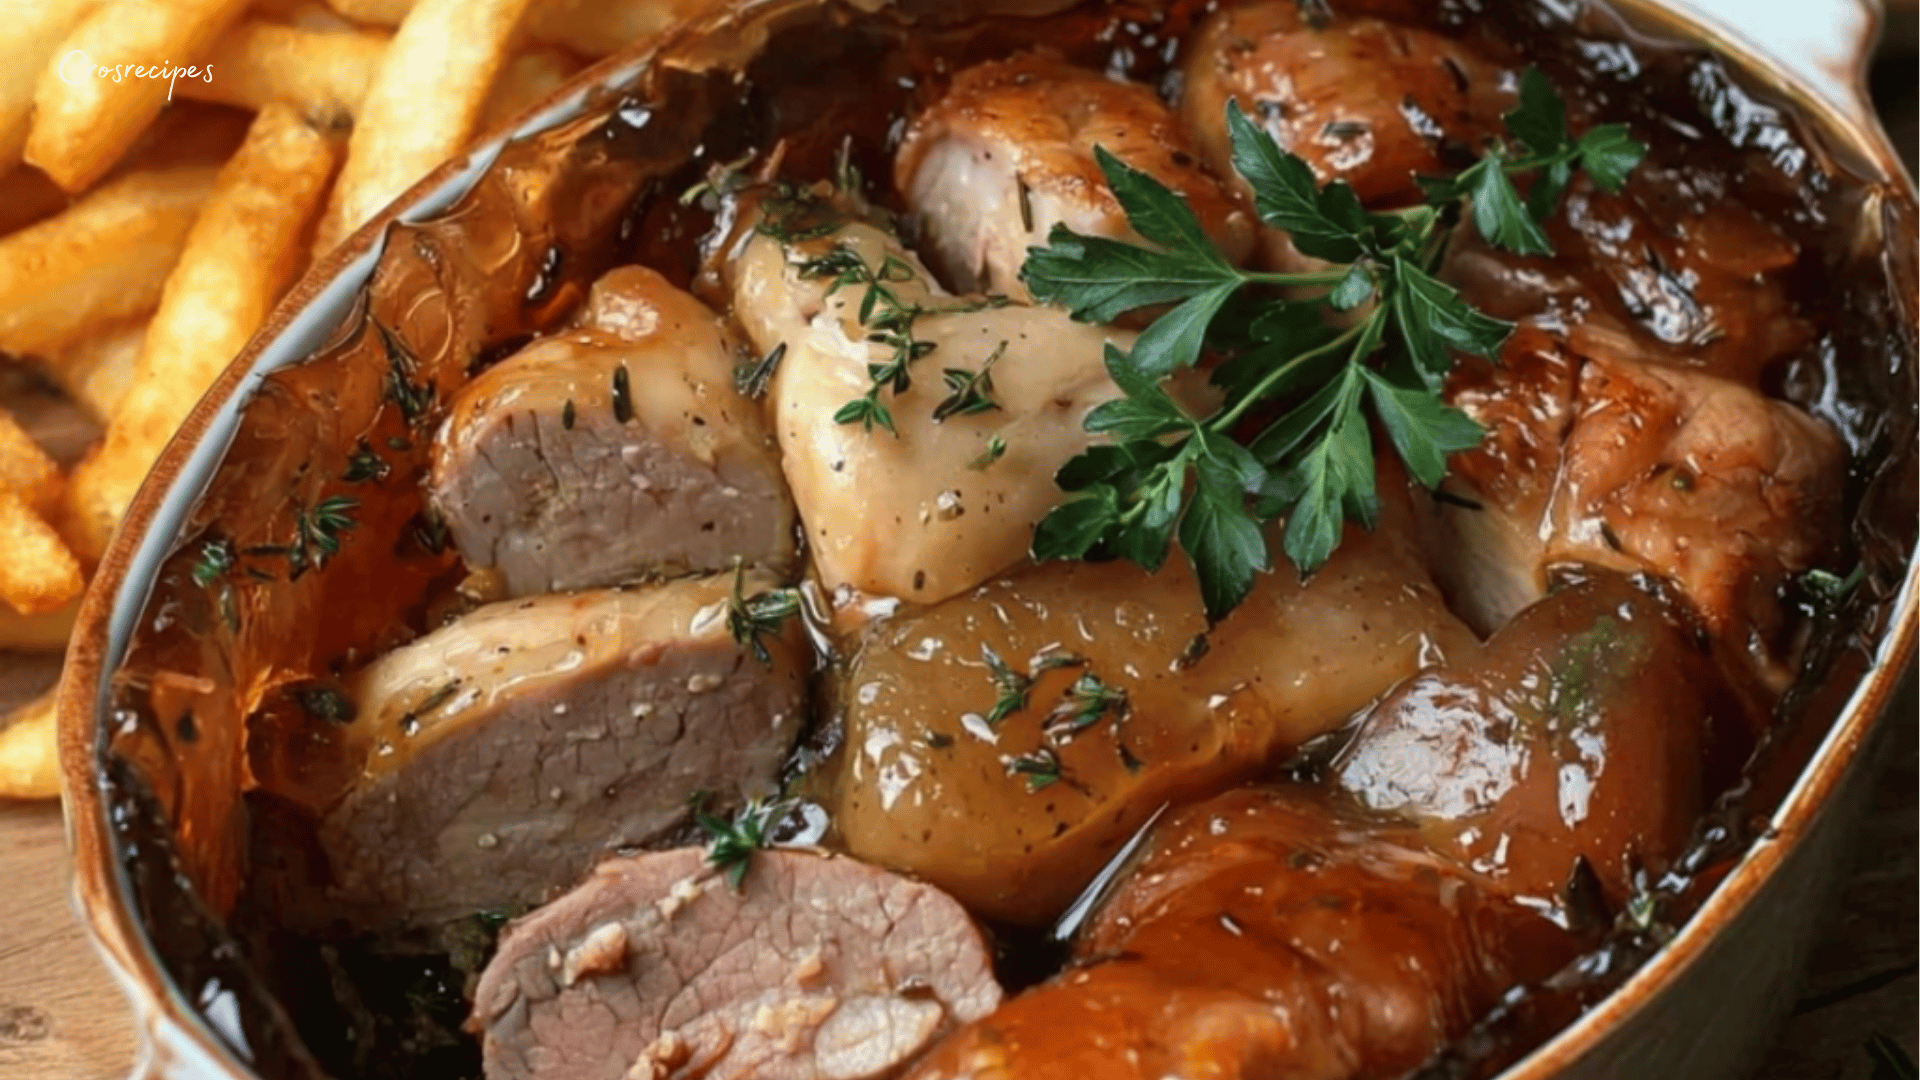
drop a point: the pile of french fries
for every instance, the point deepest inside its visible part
(168, 168)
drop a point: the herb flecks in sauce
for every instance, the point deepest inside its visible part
(751, 618)
(1313, 465)
(733, 843)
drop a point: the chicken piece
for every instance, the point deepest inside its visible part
(1694, 275)
(1263, 937)
(1359, 99)
(1004, 744)
(614, 451)
(815, 968)
(1587, 728)
(931, 508)
(506, 752)
(1605, 460)
(1007, 154)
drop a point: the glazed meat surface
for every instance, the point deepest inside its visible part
(1586, 729)
(816, 968)
(1117, 680)
(1008, 153)
(509, 750)
(613, 451)
(1260, 935)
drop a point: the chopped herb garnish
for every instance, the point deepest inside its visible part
(754, 379)
(322, 702)
(1085, 702)
(795, 216)
(749, 618)
(364, 465)
(430, 531)
(996, 449)
(568, 415)
(1169, 472)
(723, 178)
(1127, 759)
(622, 394)
(216, 558)
(317, 531)
(414, 399)
(969, 392)
(888, 320)
(1041, 768)
(1011, 686)
(734, 842)
(1826, 589)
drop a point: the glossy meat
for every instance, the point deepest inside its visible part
(507, 751)
(816, 968)
(924, 782)
(924, 514)
(614, 451)
(1585, 728)
(1605, 459)
(1694, 274)
(1007, 154)
(1362, 100)
(1262, 937)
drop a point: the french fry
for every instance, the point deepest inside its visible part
(526, 79)
(29, 754)
(82, 124)
(303, 15)
(422, 106)
(97, 370)
(33, 32)
(325, 75)
(596, 28)
(39, 572)
(243, 251)
(107, 257)
(373, 12)
(25, 469)
(46, 632)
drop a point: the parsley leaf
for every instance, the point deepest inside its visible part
(1311, 462)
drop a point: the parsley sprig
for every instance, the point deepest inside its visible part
(1206, 478)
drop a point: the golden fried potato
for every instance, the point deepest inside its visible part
(323, 74)
(29, 755)
(32, 33)
(82, 124)
(107, 257)
(97, 370)
(242, 253)
(526, 79)
(422, 107)
(25, 469)
(45, 632)
(39, 572)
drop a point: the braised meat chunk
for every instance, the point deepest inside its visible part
(509, 750)
(1005, 743)
(814, 968)
(1263, 935)
(1588, 729)
(614, 451)
(1008, 154)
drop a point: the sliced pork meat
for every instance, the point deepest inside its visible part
(1601, 458)
(938, 497)
(1587, 729)
(1004, 744)
(816, 968)
(510, 749)
(1262, 936)
(1361, 100)
(1008, 153)
(614, 451)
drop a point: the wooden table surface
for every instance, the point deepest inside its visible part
(62, 1018)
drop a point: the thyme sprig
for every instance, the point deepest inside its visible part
(751, 618)
(969, 392)
(888, 321)
(732, 843)
(317, 532)
(1167, 469)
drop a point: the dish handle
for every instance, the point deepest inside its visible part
(1826, 44)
